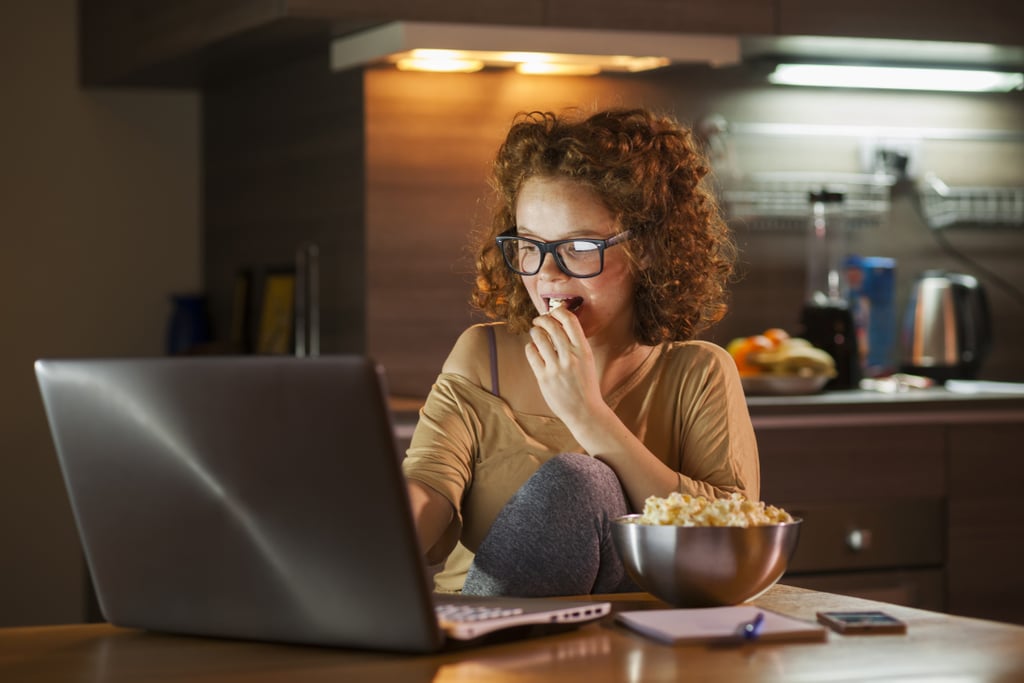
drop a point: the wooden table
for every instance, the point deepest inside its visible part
(935, 647)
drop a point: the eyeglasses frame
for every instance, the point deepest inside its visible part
(552, 247)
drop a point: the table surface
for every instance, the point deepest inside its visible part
(935, 647)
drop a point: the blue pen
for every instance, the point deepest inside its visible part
(750, 630)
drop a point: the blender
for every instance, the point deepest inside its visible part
(827, 319)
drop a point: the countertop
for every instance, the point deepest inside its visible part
(969, 402)
(936, 646)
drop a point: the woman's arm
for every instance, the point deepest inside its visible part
(432, 515)
(448, 447)
(563, 363)
(705, 406)
(642, 474)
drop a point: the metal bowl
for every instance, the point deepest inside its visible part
(702, 566)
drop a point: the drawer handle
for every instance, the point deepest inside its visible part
(858, 540)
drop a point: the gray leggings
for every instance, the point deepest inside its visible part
(553, 537)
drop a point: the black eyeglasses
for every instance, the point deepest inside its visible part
(579, 257)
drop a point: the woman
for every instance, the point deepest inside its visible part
(606, 256)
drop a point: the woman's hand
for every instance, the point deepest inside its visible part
(563, 363)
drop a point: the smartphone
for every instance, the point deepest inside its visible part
(862, 622)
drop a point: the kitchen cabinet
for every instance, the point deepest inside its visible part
(174, 43)
(986, 520)
(190, 42)
(983, 21)
(737, 17)
(873, 504)
(912, 499)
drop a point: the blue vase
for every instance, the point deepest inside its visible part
(189, 325)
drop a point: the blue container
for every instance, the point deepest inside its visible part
(189, 324)
(872, 281)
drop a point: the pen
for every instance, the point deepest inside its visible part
(750, 630)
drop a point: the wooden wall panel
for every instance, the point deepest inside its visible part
(430, 141)
(284, 165)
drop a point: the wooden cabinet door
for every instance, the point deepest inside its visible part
(851, 464)
(986, 521)
(684, 16)
(983, 21)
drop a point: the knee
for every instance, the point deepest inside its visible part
(577, 472)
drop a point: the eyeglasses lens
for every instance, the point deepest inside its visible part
(582, 259)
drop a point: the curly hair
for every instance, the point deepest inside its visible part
(649, 171)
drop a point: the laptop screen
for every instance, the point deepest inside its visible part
(249, 497)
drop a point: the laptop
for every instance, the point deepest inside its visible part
(257, 498)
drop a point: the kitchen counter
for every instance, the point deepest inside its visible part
(909, 497)
(993, 402)
(999, 402)
(969, 395)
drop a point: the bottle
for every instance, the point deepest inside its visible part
(826, 318)
(872, 297)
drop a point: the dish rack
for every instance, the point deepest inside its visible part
(946, 206)
(779, 200)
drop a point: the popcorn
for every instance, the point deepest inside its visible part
(572, 303)
(681, 509)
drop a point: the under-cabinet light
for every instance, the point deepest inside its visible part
(546, 50)
(557, 69)
(549, 63)
(896, 78)
(446, 61)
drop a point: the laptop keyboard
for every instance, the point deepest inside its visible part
(467, 613)
(464, 619)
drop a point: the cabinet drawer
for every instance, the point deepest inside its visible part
(852, 464)
(906, 533)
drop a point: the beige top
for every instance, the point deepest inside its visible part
(685, 402)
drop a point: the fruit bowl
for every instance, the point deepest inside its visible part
(782, 385)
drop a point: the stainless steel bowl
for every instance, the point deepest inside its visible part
(704, 566)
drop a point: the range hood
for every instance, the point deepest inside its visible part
(592, 50)
(797, 60)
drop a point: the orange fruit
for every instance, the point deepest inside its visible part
(776, 335)
(735, 345)
(742, 347)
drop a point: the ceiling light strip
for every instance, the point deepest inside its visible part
(896, 78)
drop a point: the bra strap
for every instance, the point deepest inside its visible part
(494, 359)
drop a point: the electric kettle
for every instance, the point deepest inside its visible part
(947, 331)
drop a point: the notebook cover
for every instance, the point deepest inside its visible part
(717, 625)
